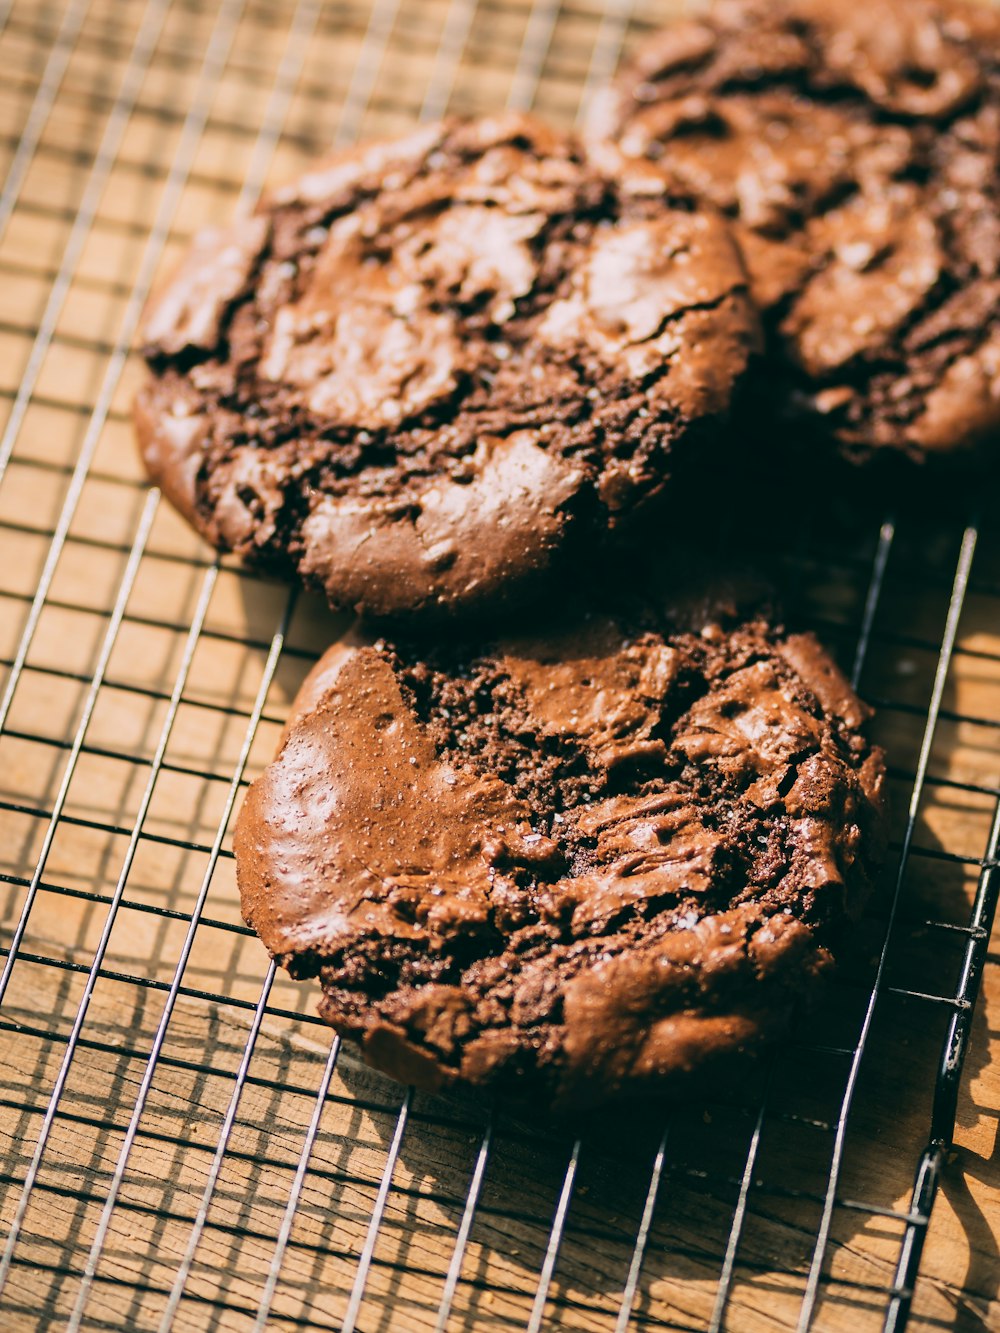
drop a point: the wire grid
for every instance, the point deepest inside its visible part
(187, 1146)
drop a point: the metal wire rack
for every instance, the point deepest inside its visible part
(185, 1146)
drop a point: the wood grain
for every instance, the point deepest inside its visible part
(828, 565)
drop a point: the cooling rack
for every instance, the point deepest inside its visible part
(185, 1146)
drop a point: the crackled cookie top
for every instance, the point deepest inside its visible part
(426, 370)
(582, 863)
(856, 146)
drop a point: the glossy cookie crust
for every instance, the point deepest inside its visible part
(855, 144)
(426, 374)
(585, 864)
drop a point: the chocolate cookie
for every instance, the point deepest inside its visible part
(856, 145)
(426, 372)
(577, 866)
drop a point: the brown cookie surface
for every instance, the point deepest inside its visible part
(421, 375)
(583, 864)
(856, 146)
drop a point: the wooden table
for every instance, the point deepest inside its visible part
(367, 71)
